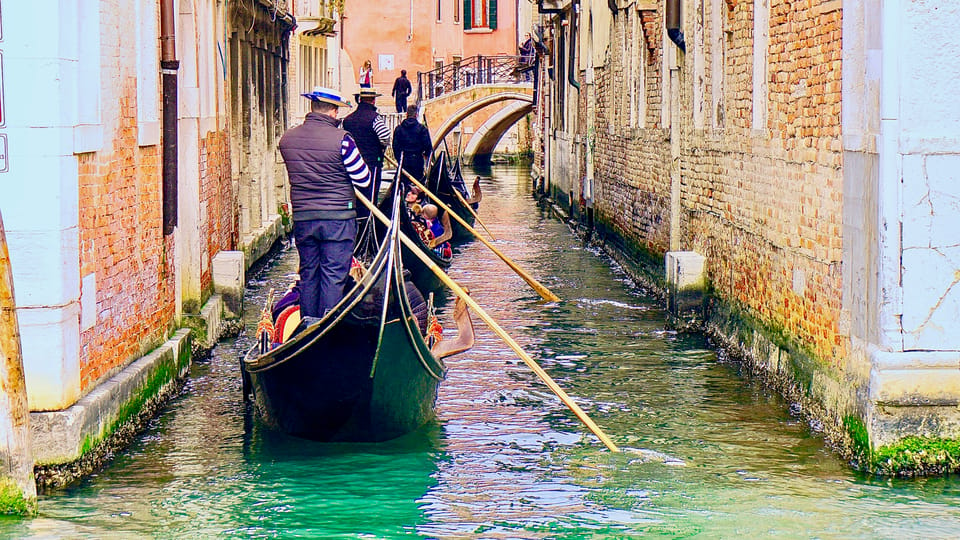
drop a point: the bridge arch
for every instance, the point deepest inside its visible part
(458, 116)
(484, 141)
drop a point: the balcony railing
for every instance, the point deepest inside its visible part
(502, 69)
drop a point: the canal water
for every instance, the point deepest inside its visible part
(706, 454)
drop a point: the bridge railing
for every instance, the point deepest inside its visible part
(499, 69)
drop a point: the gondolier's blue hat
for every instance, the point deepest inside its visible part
(326, 95)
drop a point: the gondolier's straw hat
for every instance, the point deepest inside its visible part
(326, 95)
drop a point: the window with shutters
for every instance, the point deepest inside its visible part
(479, 14)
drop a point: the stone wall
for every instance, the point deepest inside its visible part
(258, 67)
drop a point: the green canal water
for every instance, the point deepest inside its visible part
(706, 454)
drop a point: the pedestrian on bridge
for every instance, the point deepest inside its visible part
(324, 167)
(527, 51)
(401, 90)
(411, 140)
(372, 136)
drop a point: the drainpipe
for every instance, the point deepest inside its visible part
(673, 22)
(571, 73)
(410, 35)
(168, 70)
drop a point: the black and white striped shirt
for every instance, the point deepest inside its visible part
(356, 168)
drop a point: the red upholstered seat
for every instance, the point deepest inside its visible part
(287, 322)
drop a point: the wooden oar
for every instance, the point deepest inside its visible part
(472, 213)
(496, 328)
(541, 290)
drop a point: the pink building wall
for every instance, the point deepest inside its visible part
(412, 32)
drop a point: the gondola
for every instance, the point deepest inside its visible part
(446, 181)
(422, 276)
(362, 373)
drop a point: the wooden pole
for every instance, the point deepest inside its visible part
(541, 290)
(16, 463)
(472, 213)
(497, 329)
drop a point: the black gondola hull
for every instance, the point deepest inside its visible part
(360, 374)
(330, 396)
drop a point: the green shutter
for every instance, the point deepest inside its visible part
(467, 15)
(492, 22)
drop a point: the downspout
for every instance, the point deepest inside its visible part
(410, 35)
(571, 73)
(673, 21)
(168, 69)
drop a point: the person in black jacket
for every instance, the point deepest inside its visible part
(401, 90)
(324, 166)
(372, 136)
(411, 140)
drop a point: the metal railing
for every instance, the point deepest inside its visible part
(501, 69)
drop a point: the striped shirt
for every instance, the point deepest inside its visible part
(382, 131)
(356, 168)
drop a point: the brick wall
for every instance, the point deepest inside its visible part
(763, 205)
(631, 162)
(219, 200)
(122, 243)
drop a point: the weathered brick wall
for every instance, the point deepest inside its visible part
(631, 162)
(218, 199)
(764, 205)
(121, 240)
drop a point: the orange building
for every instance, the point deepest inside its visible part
(421, 35)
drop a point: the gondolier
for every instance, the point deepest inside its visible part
(411, 139)
(323, 165)
(372, 136)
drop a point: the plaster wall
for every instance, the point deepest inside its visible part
(914, 380)
(401, 28)
(502, 40)
(40, 202)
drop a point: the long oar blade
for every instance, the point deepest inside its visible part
(472, 213)
(541, 290)
(497, 329)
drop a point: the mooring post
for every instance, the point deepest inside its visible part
(18, 490)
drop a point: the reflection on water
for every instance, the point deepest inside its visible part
(705, 452)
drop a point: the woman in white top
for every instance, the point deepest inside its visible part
(366, 75)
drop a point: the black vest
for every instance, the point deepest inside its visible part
(360, 125)
(319, 185)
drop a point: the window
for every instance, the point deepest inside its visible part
(313, 67)
(456, 11)
(88, 131)
(479, 14)
(439, 2)
(761, 43)
(148, 73)
(718, 55)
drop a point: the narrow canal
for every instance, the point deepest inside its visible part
(706, 454)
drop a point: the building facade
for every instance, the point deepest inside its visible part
(259, 74)
(796, 148)
(118, 195)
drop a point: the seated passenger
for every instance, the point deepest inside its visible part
(441, 229)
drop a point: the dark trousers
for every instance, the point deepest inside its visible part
(326, 249)
(401, 104)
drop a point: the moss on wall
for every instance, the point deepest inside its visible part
(12, 501)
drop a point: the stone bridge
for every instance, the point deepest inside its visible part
(479, 100)
(488, 110)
